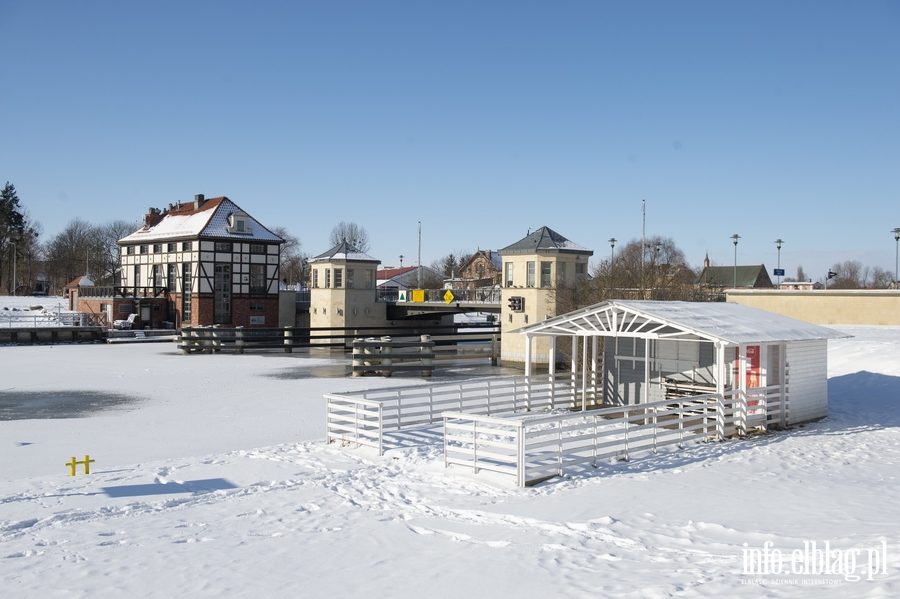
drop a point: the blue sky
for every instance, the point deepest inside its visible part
(481, 120)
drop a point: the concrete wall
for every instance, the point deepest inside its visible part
(857, 306)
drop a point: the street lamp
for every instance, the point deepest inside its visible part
(612, 249)
(401, 260)
(896, 233)
(735, 238)
(778, 243)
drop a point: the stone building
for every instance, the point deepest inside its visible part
(534, 269)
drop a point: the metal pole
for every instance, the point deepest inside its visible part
(419, 260)
(896, 233)
(643, 235)
(778, 243)
(735, 238)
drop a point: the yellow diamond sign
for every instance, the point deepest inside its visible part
(449, 297)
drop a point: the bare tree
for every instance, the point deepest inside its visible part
(68, 253)
(849, 274)
(880, 278)
(107, 257)
(352, 233)
(293, 260)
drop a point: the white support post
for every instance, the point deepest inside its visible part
(782, 355)
(595, 348)
(527, 372)
(584, 378)
(742, 387)
(646, 393)
(574, 369)
(551, 369)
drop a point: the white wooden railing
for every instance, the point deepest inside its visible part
(37, 319)
(526, 427)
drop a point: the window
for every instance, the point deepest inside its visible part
(529, 274)
(129, 250)
(370, 277)
(157, 248)
(327, 278)
(240, 226)
(155, 275)
(545, 274)
(186, 246)
(144, 249)
(173, 277)
(222, 294)
(509, 274)
(315, 278)
(349, 278)
(137, 275)
(257, 278)
(560, 274)
(223, 246)
(338, 278)
(257, 248)
(579, 269)
(257, 307)
(186, 292)
(170, 247)
(479, 268)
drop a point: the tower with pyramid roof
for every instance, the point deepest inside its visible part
(535, 268)
(343, 289)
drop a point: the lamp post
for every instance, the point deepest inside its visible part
(778, 243)
(612, 249)
(401, 260)
(896, 233)
(735, 238)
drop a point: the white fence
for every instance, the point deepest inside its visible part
(37, 319)
(508, 425)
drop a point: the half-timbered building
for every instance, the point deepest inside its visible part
(200, 263)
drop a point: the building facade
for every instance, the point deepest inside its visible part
(205, 262)
(535, 269)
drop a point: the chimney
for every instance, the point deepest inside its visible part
(152, 217)
(198, 201)
(487, 254)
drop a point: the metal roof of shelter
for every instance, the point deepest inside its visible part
(731, 323)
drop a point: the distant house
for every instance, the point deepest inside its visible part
(801, 285)
(391, 281)
(483, 269)
(200, 263)
(742, 277)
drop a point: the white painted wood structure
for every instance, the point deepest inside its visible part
(662, 350)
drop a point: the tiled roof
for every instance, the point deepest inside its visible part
(390, 273)
(344, 251)
(545, 240)
(208, 221)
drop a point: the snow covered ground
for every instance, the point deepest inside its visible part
(211, 479)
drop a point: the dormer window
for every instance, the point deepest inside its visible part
(239, 223)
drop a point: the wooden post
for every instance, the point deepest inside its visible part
(386, 362)
(288, 341)
(427, 350)
(494, 351)
(239, 340)
(357, 361)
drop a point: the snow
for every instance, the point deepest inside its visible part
(215, 481)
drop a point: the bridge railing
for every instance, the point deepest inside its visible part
(485, 295)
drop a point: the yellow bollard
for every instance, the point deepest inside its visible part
(73, 462)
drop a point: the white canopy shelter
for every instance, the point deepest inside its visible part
(656, 350)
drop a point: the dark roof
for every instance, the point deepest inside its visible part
(753, 276)
(344, 251)
(545, 240)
